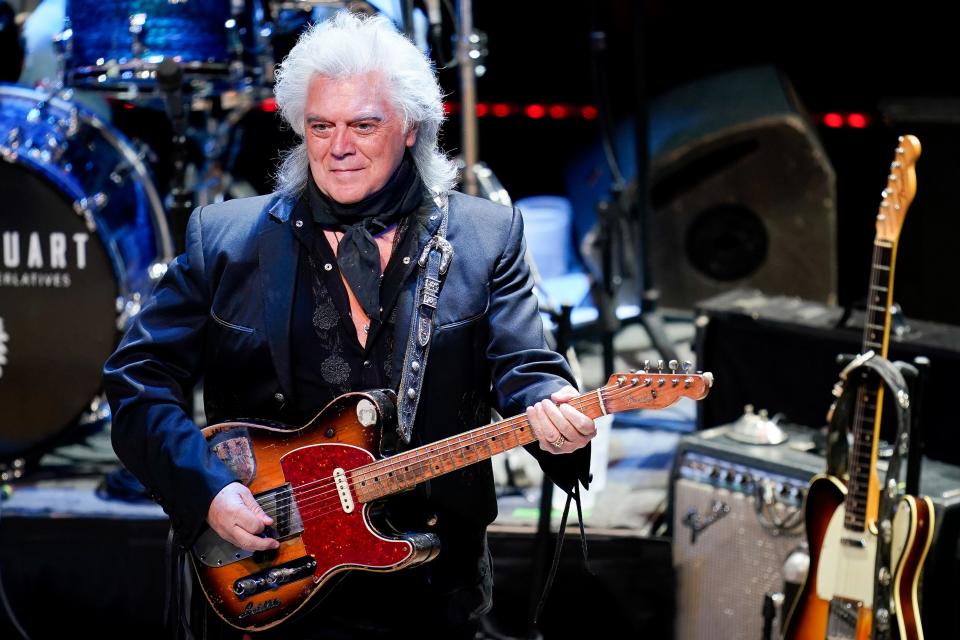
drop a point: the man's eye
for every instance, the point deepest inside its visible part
(364, 127)
(319, 127)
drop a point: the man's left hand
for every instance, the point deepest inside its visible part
(558, 426)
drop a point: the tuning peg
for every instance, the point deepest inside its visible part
(646, 366)
(673, 364)
(660, 365)
(685, 366)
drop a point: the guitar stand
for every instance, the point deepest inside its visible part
(916, 375)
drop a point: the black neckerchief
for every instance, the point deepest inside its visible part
(357, 254)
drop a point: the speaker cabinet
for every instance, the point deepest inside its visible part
(741, 192)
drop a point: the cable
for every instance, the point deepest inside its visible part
(3, 592)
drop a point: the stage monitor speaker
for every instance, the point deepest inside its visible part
(737, 531)
(741, 192)
(779, 353)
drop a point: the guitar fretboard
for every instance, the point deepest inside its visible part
(876, 333)
(404, 471)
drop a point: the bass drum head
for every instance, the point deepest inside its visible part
(58, 316)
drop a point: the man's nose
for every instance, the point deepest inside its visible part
(341, 145)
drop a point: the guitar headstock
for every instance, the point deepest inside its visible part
(654, 389)
(900, 190)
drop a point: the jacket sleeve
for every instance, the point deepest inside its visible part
(524, 370)
(147, 380)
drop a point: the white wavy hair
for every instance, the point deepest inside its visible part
(350, 45)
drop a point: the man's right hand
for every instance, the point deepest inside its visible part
(236, 517)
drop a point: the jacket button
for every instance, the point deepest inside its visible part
(432, 521)
(366, 364)
(278, 397)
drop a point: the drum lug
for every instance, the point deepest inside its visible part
(127, 307)
(82, 208)
(156, 271)
(137, 23)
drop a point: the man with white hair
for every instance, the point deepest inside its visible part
(284, 302)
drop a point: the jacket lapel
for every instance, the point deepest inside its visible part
(278, 252)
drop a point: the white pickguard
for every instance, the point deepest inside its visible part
(846, 570)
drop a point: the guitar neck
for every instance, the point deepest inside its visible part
(623, 392)
(406, 470)
(862, 490)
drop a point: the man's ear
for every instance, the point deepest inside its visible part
(411, 138)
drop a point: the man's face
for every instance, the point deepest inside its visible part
(355, 138)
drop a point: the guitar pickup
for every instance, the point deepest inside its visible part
(274, 577)
(858, 543)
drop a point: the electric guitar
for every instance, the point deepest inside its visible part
(836, 602)
(321, 484)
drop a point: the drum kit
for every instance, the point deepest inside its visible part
(84, 226)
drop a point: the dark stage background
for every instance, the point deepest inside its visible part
(897, 69)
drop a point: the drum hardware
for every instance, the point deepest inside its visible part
(12, 470)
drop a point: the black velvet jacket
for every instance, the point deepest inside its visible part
(223, 309)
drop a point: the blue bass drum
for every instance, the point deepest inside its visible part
(117, 45)
(83, 238)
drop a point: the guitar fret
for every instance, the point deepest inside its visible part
(882, 267)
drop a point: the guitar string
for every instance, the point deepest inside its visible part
(377, 469)
(863, 397)
(373, 470)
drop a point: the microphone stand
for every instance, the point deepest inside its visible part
(620, 208)
(169, 81)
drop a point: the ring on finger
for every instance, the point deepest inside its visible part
(559, 442)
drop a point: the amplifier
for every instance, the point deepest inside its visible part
(736, 517)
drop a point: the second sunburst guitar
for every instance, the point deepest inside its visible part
(837, 599)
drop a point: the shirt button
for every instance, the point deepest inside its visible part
(366, 364)
(328, 267)
(278, 397)
(298, 223)
(406, 260)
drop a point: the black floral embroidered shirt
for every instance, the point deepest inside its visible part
(327, 357)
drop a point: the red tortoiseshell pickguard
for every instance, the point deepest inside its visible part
(333, 537)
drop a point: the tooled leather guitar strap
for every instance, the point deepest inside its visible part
(854, 375)
(434, 262)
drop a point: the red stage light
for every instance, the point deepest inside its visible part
(558, 111)
(269, 105)
(857, 120)
(482, 109)
(589, 112)
(535, 111)
(833, 120)
(501, 110)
